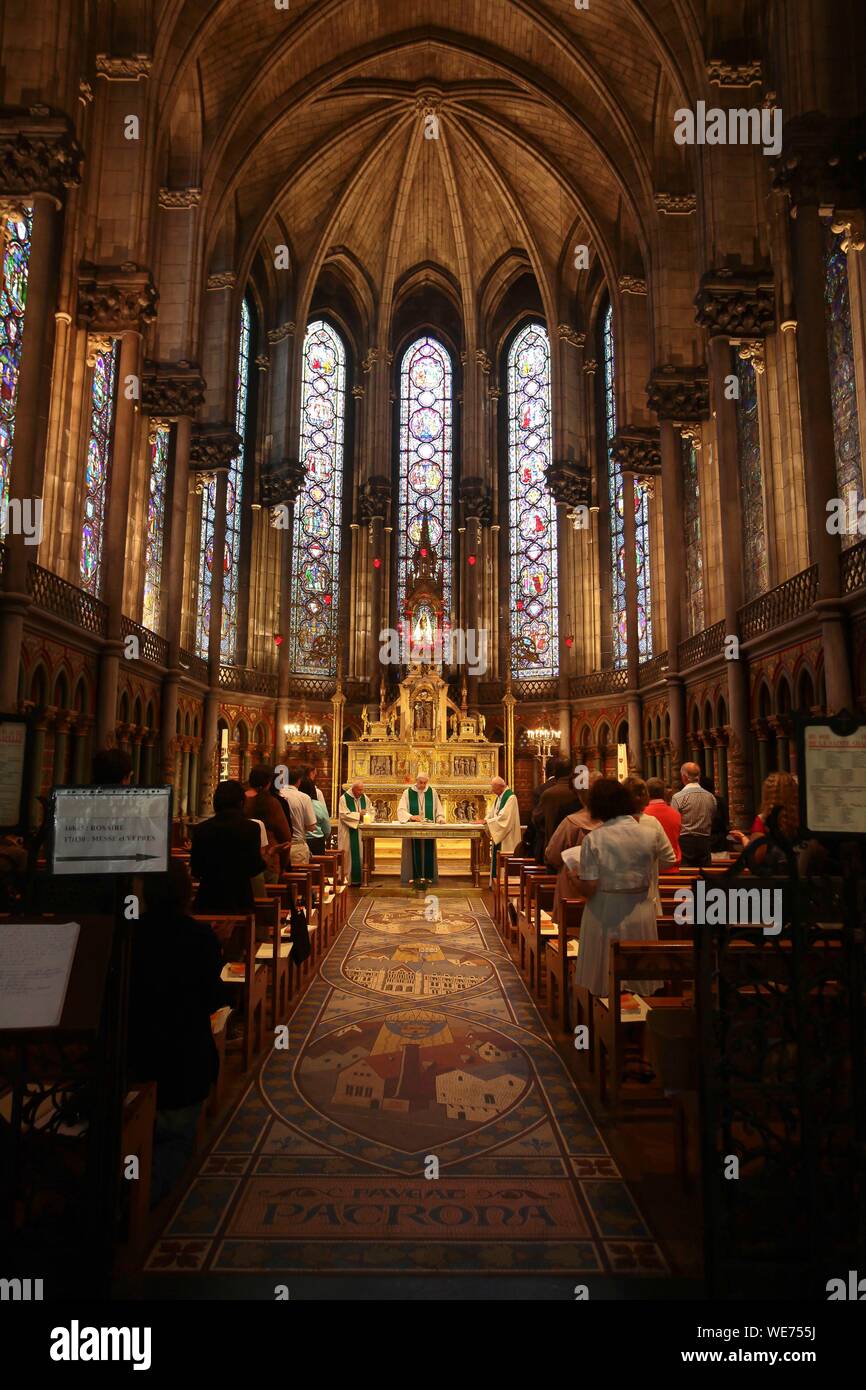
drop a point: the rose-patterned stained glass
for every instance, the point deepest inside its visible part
(616, 496)
(693, 539)
(534, 602)
(425, 463)
(103, 395)
(756, 575)
(14, 270)
(205, 570)
(843, 385)
(316, 541)
(234, 495)
(158, 445)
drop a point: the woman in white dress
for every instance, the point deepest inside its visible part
(615, 866)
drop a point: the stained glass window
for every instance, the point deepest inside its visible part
(535, 642)
(316, 542)
(617, 498)
(13, 299)
(103, 393)
(234, 495)
(755, 568)
(425, 462)
(205, 569)
(160, 437)
(843, 386)
(693, 539)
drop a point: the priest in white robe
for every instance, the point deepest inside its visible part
(352, 811)
(503, 822)
(420, 803)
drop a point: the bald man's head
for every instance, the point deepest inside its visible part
(690, 772)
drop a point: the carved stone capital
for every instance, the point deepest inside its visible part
(636, 449)
(724, 74)
(114, 299)
(221, 280)
(374, 498)
(38, 154)
(359, 392)
(590, 366)
(570, 335)
(631, 284)
(172, 389)
(371, 357)
(483, 361)
(477, 500)
(569, 482)
(180, 198)
(737, 303)
(679, 393)
(97, 345)
(280, 483)
(131, 68)
(850, 223)
(285, 330)
(823, 161)
(213, 448)
(751, 350)
(676, 204)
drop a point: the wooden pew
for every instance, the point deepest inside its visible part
(137, 1125)
(561, 950)
(535, 926)
(301, 883)
(335, 884)
(632, 960)
(275, 954)
(237, 933)
(285, 894)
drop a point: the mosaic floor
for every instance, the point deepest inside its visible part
(420, 1121)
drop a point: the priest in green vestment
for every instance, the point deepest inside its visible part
(352, 811)
(420, 803)
(503, 822)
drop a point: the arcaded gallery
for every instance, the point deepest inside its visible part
(433, 663)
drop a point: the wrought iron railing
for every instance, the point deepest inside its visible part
(55, 595)
(528, 688)
(195, 666)
(704, 644)
(152, 647)
(853, 568)
(651, 671)
(310, 687)
(598, 683)
(789, 600)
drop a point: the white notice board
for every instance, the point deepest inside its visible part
(834, 770)
(35, 964)
(13, 743)
(111, 830)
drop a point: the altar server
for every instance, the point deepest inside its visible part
(353, 808)
(420, 803)
(503, 822)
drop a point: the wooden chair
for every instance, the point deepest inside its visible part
(275, 953)
(237, 934)
(536, 925)
(632, 960)
(561, 950)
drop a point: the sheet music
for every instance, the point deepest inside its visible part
(35, 965)
(835, 775)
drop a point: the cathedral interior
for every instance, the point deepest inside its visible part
(371, 341)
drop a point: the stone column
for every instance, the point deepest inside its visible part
(678, 396)
(173, 391)
(40, 160)
(636, 451)
(739, 305)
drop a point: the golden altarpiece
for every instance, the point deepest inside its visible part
(423, 730)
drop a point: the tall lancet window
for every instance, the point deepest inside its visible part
(843, 383)
(316, 541)
(425, 464)
(103, 398)
(755, 564)
(158, 446)
(534, 606)
(234, 516)
(617, 493)
(16, 231)
(234, 494)
(693, 540)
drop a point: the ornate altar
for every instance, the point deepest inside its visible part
(423, 730)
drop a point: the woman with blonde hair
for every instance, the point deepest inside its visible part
(780, 789)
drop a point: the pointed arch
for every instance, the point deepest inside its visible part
(425, 465)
